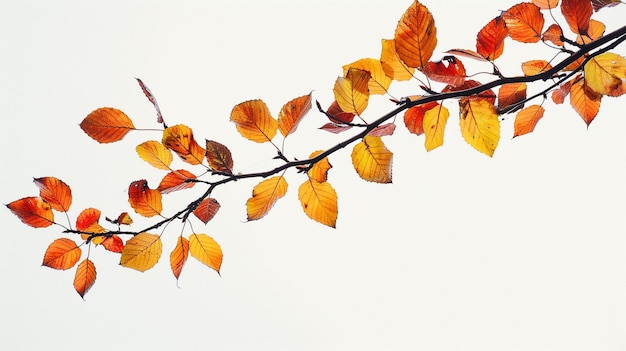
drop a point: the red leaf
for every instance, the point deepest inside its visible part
(414, 117)
(219, 157)
(338, 114)
(143, 200)
(207, 209)
(449, 70)
(577, 13)
(113, 243)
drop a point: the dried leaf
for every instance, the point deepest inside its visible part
(264, 196)
(335, 128)
(107, 125)
(142, 252)
(175, 181)
(558, 95)
(467, 53)
(254, 121)
(292, 113)
(319, 201)
(416, 36)
(206, 250)
(179, 138)
(449, 70)
(33, 211)
(156, 154)
(145, 201)
(219, 157)
(524, 22)
(480, 126)
(600, 4)
(383, 130)
(351, 93)
(207, 209)
(85, 277)
(62, 254)
(378, 82)
(526, 120)
(152, 99)
(179, 255)
(372, 160)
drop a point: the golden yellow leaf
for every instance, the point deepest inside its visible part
(319, 201)
(480, 126)
(584, 100)
(254, 121)
(606, 73)
(179, 255)
(85, 277)
(434, 124)
(546, 4)
(379, 82)
(155, 153)
(526, 120)
(206, 250)
(392, 65)
(142, 252)
(264, 196)
(292, 113)
(319, 170)
(352, 92)
(372, 160)
(179, 138)
(416, 36)
(62, 254)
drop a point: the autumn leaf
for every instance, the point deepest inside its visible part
(219, 157)
(206, 250)
(142, 252)
(379, 82)
(335, 128)
(480, 126)
(62, 254)
(176, 180)
(467, 53)
(85, 277)
(392, 65)
(113, 243)
(526, 120)
(585, 101)
(179, 138)
(558, 95)
(416, 36)
(435, 120)
(207, 209)
(338, 115)
(179, 255)
(292, 113)
(490, 39)
(351, 92)
(534, 67)
(414, 117)
(319, 201)
(33, 211)
(511, 94)
(124, 218)
(372, 160)
(319, 171)
(488, 94)
(152, 99)
(596, 30)
(88, 222)
(55, 192)
(156, 154)
(449, 70)
(254, 121)
(600, 4)
(383, 130)
(524, 22)
(546, 4)
(264, 196)
(577, 13)
(606, 74)
(553, 34)
(107, 125)
(145, 201)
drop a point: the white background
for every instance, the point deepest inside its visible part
(522, 251)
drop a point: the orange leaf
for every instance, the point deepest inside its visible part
(113, 243)
(378, 82)
(319, 201)
(488, 95)
(145, 201)
(62, 254)
(546, 4)
(414, 117)
(511, 94)
(87, 221)
(490, 39)
(372, 160)
(480, 126)
(219, 157)
(416, 36)
(85, 277)
(142, 252)
(526, 120)
(606, 74)
(55, 192)
(292, 113)
(206, 250)
(156, 154)
(449, 70)
(254, 121)
(124, 218)
(595, 31)
(435, 120)
(176, 180)
(264, 196)
(585, 101)
(319, 171)
(338, 114)
(600, 4)
(352, 92)
(32, 211)
(179, 255)
(392, 65)
(533, 67)
(558, 95)
(107, 125)
(554, 34)
(207, 209)
(179, 139)
(524, 22)
(577, 13)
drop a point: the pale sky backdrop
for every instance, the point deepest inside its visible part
(522, 251)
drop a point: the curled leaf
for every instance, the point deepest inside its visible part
(179, 138)
(378, 82)
(179, 255)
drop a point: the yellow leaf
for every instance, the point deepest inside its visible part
(179, 255)
(254, 121)
(352, 92)
(526, 119)
(179, 138)
(62, 254)
(480, 126)
(206, 250)
(372, 160)
(392, 65)
(434, 124)
(319, 201)
(142, 252)
(264, 196)
(292, 113)
(606, 73)
(85, 277)
(319, 170)
(416, 36)
(155, 153)
(379, 82)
